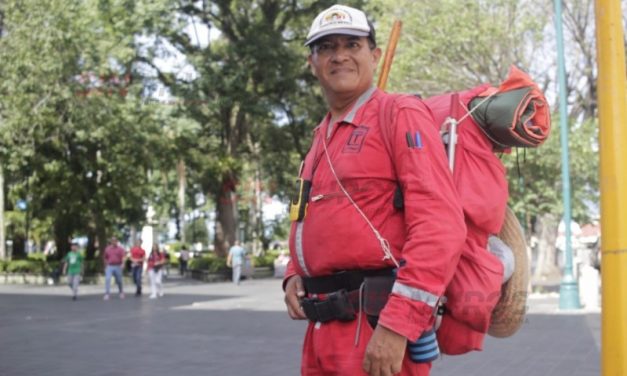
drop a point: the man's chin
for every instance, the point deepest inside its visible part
(343, 88)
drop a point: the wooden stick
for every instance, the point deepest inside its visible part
(395, 35)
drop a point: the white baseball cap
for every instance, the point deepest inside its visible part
(340, 19)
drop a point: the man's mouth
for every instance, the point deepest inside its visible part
(341, 70)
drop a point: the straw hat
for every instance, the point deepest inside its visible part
(509, 313)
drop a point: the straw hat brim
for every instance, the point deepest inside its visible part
(509, 313)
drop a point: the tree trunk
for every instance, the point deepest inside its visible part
(3, 251)
(546, 228)
(180, 171)
(19, 244)
(258, 212)
(90, 252)
(100, 234)
(62, 237)
(226, 217)
(255, 208)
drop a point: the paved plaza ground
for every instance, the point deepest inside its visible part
(223, 329)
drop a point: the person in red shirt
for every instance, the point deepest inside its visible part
(113, 259)
(156, 261)
(377, 227)
(138, 255)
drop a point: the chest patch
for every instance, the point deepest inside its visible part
(356, 140)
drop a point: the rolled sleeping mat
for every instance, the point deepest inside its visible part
(516, 114)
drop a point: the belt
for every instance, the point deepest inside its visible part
(348, 280)
(343, 294)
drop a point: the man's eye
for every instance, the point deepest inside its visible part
(353, 45)
(324, 47)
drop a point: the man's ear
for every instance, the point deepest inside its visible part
(311, 67)
(376, 55)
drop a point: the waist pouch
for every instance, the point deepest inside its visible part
(339, 305)
(341, 294)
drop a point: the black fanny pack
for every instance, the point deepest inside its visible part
(342, 295)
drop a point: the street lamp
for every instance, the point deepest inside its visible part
(569, 291)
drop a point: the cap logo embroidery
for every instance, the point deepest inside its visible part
(336, 17)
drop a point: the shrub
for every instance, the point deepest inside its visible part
(175, 246)
(27, 266)
(36, 256)
(55, 267)
(93, 266)
(3, 265)
(210, 263)
(267, 258)
(174, 261)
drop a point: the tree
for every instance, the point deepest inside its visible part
(536, 187)
(439, 53)
(453, 45)
(241, 93)
(77, 140)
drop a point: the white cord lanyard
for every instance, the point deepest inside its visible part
(385, 245)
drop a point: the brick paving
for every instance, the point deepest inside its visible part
(223, 329)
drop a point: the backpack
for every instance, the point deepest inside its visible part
(480, 180)
(514, 114)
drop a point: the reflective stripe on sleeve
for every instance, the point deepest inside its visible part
(298, 242)
(415, 294)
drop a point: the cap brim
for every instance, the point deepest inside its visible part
(340, 31)
(509, 313)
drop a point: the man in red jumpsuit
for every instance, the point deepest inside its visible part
(349, 227)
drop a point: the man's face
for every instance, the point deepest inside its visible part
(344, 64)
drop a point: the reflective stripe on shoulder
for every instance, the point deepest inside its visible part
(415, 294)
(298, 242)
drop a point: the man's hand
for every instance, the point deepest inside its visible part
(384, 353)
(294, 291)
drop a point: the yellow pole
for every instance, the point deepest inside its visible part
(612, 93)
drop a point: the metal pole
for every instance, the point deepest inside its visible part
(569, 291)
(612, 97)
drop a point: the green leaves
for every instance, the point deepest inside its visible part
(453, 45)
(81, 136)
(76, 136)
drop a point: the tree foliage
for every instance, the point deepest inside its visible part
(86, 141)
(244, 92)
(454, 45)
(77, 140)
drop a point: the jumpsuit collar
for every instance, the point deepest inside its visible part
(349, 117)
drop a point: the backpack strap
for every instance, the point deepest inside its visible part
(386, 122)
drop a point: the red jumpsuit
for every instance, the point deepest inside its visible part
(428, 234)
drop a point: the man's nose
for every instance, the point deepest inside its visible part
(340, 53)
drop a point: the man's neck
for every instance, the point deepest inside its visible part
(340, 104)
